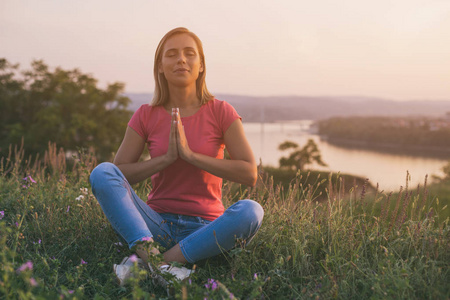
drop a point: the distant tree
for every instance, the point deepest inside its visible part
(446, 170)
(61, 106)
(299, 158)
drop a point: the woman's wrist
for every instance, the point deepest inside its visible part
(168, 160)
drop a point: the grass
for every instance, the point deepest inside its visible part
(355, 243)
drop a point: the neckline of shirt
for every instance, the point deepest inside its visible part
(191, 116)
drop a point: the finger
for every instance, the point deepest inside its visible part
(173, 128)
(175, 113)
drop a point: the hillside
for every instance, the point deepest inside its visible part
(274, 108)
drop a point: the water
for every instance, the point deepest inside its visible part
(388, 170)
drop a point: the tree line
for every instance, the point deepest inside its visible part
(65, 107)
(402, 132)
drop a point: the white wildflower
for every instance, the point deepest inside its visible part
(79, 198)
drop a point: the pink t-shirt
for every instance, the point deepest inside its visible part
(182, 188)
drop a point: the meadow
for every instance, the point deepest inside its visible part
(321, 238)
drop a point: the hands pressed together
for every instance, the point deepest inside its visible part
(178, 144)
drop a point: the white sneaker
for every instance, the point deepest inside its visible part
(124, 270)
(179, 273)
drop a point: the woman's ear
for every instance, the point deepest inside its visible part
(201, 67)
(160, 69)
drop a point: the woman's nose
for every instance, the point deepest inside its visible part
(181, 58)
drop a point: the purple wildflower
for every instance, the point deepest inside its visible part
(31, 179)
(24, 186)
(68, 208)
(212, 284)
(39, 241)
(2, 214)
(26, 266)
(133, 258)
(83, 262)
(146, 239)
(190, 281)
(33, 282)
(231, 296)
(17, 224)
(255, 276)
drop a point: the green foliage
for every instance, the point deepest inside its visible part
(299, 158)
(61, 106)
(349, 245)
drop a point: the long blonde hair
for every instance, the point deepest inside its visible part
(161, 95)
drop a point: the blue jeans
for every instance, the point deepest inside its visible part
(198, 238)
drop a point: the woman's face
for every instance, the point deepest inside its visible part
(180, 62)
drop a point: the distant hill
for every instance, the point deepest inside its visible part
(275, 108)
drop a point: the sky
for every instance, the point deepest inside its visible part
(392, 49)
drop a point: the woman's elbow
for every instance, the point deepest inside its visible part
(253, 177)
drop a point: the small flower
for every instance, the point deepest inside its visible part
(146, 239)
(24, 186)
(255, 276)
(83, 262)
(84, 191)
(33, 282)
(26, 266)
(70, 291)
(2, 214)
(133, 258)
(212, 284)
(231, 296)
(118, 244)
(190, 281)
(39, 241)
(31, 179)
(17, 224)
(68, 208)
(79, 198)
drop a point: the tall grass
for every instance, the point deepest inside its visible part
(55, 242)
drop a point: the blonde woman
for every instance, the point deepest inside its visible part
(185, 130)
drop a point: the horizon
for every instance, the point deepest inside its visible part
(398, 51)
(368, 97)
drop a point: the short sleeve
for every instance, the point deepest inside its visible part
(136, 123)
(227, 115)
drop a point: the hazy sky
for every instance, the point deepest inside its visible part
(398, 49)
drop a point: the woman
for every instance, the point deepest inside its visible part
(185, 130)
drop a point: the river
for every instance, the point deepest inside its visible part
(388, 170)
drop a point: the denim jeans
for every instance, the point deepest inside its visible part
(198, 238)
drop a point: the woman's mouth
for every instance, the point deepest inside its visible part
(181, 70)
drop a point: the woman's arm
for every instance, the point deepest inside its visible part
(242, 166)
(131, 149)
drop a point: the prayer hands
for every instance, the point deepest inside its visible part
(178, 144)
(172, 150)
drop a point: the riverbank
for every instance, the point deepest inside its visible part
(390, 148)
(322, 181)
